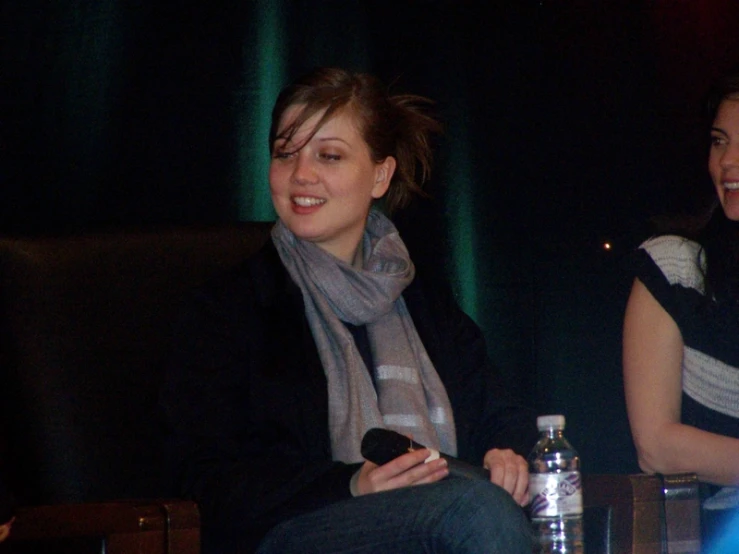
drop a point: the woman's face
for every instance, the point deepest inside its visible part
(324, 190)
(723, 160)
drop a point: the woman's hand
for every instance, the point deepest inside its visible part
(404, 471)
(509, 471)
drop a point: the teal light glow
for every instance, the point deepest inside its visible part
(264, 43)
(461, 218)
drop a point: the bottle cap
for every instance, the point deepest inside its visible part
(550, 421)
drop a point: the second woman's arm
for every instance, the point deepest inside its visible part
(652, 366)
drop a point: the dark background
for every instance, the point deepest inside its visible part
(569, 124)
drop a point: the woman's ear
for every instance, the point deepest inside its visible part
(384, 172)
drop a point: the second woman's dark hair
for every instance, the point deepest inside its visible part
(719, 238)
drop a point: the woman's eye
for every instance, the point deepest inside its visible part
(717, 140)
(282, 154)
(331, 157)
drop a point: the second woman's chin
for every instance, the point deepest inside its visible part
(730, 204)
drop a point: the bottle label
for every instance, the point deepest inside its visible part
(555, 494)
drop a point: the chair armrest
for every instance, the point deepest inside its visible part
(682, 512)
(646, 512)
(634, 503)
(142, 526)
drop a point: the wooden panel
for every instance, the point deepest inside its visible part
(148, 542)
(682, 514)
(650, 514)
(77, 520)
(127, 527)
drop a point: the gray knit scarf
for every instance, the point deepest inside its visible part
(410, 397)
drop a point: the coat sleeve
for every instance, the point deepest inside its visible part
(486, 415)
(243, 444)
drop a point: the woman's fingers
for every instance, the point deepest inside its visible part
(509, 471)
(406, 470)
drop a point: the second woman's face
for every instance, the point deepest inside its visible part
(723, 160)
(322, 187)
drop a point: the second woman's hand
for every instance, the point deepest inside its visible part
(404, 471)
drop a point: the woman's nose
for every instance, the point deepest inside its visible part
(304, 170)
(731, 156)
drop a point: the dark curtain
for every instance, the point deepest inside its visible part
(568, 125)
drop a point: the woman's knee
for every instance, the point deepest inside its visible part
(483, 517)
(287, 536)
(487, 499)
(455, 515)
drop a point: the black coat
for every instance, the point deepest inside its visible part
(247, 399)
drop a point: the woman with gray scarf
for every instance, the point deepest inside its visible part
(282, 366)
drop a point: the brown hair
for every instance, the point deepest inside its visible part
(391, 125)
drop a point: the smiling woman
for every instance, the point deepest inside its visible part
(680, 347)
(329, 331)
(324, 180)
(723, 161)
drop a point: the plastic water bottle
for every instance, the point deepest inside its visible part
(556, 489)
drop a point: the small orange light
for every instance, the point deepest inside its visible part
(606, 246)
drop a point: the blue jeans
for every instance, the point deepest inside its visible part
(454, 515)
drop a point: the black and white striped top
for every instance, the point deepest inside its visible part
(670, 267)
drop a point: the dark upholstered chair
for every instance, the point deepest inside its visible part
(84, 328)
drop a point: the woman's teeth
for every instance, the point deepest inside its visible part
(306, 201)
(732, 186)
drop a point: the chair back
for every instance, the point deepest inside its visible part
(84, 335)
